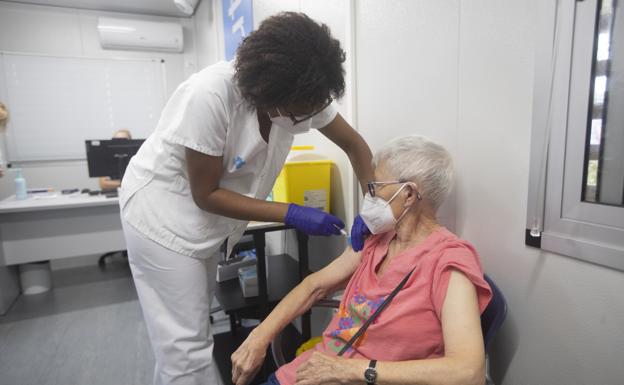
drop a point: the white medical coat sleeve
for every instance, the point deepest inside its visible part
(196, 118)
(324, 117)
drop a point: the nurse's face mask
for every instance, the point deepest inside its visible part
(295, 124)
(291, 123)
(377, 212)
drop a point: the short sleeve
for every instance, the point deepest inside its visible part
(466, 261)
(196, 118)
(324, 117)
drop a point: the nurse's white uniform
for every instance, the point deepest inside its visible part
(172, 244)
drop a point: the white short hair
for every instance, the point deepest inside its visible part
(420, 160)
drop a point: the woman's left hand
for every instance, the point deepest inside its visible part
(323, 369)
(248, 358)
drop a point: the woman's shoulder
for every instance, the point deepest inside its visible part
(451, 249)
(451, 242)
(459, 255)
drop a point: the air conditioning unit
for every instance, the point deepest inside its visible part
(187, 7)
(140, 35)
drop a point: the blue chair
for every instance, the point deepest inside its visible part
(286, 342)
(494, 315)
(491, 321)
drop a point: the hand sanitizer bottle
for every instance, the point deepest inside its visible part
(21, 192)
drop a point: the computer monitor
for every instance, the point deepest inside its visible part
(110, 157)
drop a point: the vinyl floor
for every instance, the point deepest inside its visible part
(88, 330)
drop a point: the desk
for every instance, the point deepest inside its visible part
(54, 227)
(61, 226)
(47, 228)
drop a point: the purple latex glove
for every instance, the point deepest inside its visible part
(312, 221)
(359, 231)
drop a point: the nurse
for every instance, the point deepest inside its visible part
(206, 171)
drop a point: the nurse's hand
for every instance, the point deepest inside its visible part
(247, 359)
(359, 231)
(312, 221)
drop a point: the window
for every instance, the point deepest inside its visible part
(576, 192)
(603, 180)
(57, 102)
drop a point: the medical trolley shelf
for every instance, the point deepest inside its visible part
(284, 274)
(283, 278)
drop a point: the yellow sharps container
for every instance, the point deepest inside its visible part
(305, 179)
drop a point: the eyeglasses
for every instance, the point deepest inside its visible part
(372, 185)
(296, 119)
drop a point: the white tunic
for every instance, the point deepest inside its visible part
(207, 114)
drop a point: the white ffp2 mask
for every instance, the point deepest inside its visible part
(285, 123)
(377, 213)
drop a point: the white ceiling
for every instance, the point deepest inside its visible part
(145, 7)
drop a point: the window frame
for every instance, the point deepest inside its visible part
(587, 231)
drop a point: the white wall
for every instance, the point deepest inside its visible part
(406, 59)
(207, 21)
(67, 31)
(462, 73)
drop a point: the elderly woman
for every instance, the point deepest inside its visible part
(430, 332)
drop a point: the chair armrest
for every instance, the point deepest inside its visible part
(328, 303)
(276, 344)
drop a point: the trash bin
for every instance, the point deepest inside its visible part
(35, 277)
(305, 179)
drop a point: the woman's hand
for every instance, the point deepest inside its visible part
(248, 358)
(323, 369)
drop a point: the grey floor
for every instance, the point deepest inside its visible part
(88, 330)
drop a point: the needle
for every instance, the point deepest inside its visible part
(342, 231)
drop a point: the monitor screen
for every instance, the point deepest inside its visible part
(110, 157)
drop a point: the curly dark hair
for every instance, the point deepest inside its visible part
(290, 60)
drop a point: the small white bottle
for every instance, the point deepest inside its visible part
(21, 192)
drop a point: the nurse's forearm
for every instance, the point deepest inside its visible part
(356, 148)
(234, 205)
(361, 160)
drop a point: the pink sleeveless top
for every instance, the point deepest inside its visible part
(409, 328)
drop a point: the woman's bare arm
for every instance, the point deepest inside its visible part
(250, 355)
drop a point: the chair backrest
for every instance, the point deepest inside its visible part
(494, 314)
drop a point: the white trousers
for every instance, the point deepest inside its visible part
(175, 292)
